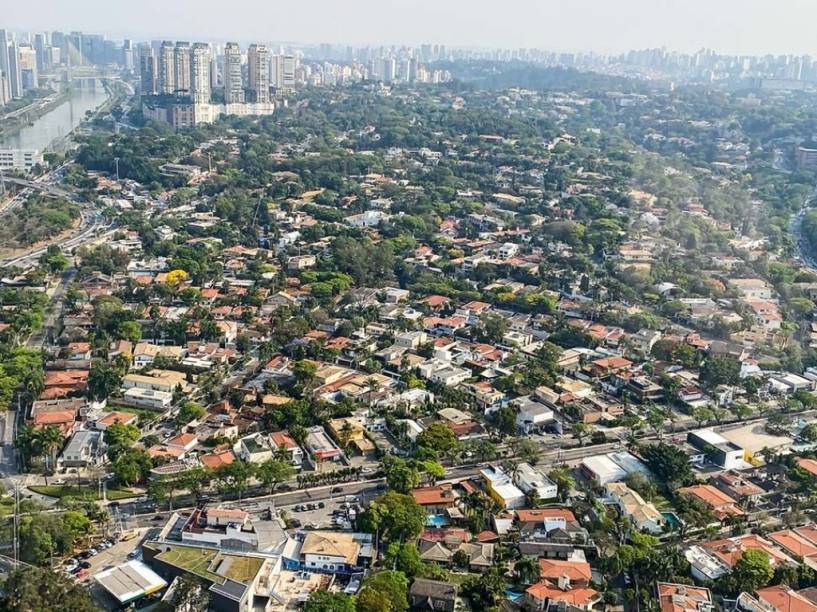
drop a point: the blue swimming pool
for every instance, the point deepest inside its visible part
(437, 520)
(672, 520)
(514, 595)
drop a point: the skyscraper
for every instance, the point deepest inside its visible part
(4, 55)
(167, 79)
(27, 59)
(147, 70)
(233, 85)
(389, 69)
(258, 65)
(39, 47)
(181, 68)
(127, 54)
(14, 75)
(200, 73)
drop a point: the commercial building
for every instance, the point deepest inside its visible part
(130, 581)
(806, 157)
(20, 159)
(718, 449)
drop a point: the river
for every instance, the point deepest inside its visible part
(57, 122)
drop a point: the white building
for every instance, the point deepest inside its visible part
(501, 488)
(22, 160)
(148, 398)
(532, 414)
(529, 479)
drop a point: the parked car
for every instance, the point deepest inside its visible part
(93, 552)
(85, 564)
(321, 505)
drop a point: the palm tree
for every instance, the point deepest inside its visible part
(49, 439)
(527, 568)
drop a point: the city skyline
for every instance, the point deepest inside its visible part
(729, 27)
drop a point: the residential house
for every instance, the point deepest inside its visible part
(643, 515)
(435, 595)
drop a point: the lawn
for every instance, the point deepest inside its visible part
(145, 416)
(6, 506)
(86, 493)
(242, 569)
(194, 560)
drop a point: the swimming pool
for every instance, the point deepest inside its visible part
(437, 520)
(672, 520)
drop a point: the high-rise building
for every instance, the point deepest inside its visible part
(27, 58)
(389, 71)
(413, 69)
(233, 84)
(128, 54)
(14, 75)
(167, 78)
(181, 68)
(283, 72)
(258, 72)
(4, 55)
(147, 70)
(39, 48)
(200, 73)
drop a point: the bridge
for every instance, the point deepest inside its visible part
(45, 187)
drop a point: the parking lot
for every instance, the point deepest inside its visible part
(90, 564)
(336, 513)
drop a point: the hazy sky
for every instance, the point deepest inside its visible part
(732, 26)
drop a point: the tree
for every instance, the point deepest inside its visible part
(669, 463)
(190, 411)
(395, 516)
(132, 465)
(38, 590)
(752, 571)
(304, 372)
(440, 437)
(404, 557)
(234, 476)
(527, 568)
(54, 259)
(564, 481)
(190, 594)
(720, 370)
(119, 437)
(49, 439)
(487, 590)
(433, 471)
(273, 471)
(809, 433)
(325, 601)
(104, 380)
(581, 431)
(400, 476)
(386, 585)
